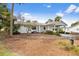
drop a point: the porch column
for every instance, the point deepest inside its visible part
(54, 28)
(58, 28)
(39, 28)
(64, 30)
(48, 27)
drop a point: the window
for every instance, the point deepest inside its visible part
(44, 28)
(33, 28)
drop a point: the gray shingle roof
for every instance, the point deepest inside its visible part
(60, 23)
(57, 23)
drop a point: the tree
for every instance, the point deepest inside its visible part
(4, 17)
(58, 18)
(4, 20)
(11, 19)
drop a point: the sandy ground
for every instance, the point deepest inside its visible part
(36, 45)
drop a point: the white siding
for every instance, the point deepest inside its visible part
(23, 29)
(74, 29)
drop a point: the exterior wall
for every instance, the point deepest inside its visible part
(74, 29)
(23, 29)
(49, 28)
(39, 28)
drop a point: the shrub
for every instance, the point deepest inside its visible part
(61, 31)
(74, 49)
(56, 33)
(52, 33)
(15, 29)
(48, 32)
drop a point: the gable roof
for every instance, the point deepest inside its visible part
(75, 24)
(49, 22)
(60, 23)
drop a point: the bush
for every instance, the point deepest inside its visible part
(56, 33)
(16, 32)
(61, 31)
(52, 33)
(74, 49)
(15, 29)
(48, 32)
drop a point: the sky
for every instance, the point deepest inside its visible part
(44, 11)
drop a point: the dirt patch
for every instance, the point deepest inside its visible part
(36, 44)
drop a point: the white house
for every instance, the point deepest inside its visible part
(74, 28)
(40, 27)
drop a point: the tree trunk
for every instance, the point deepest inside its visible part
(11, 20)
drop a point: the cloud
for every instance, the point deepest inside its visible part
(28, 16)
(60, 14)
(25, 14)
(71, 9)
(48, 6)
(69, 21)
(77, 10)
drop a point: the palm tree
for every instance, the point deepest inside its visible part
(58, 18)
(11, 19)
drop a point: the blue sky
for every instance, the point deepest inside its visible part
(43, 11)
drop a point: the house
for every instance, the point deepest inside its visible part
(34, 26)
(74, 27)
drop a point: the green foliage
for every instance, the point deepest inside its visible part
(58, 18)
(52, 33)
(49, 32)
(15, 29)
(74, 49)
(6, 53)
(61, 31)
(5, 17)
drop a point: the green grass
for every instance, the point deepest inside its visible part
(74, 49)
(4, 51)
(68, 47)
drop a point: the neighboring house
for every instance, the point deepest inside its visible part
(74, 27)
(41, 27)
